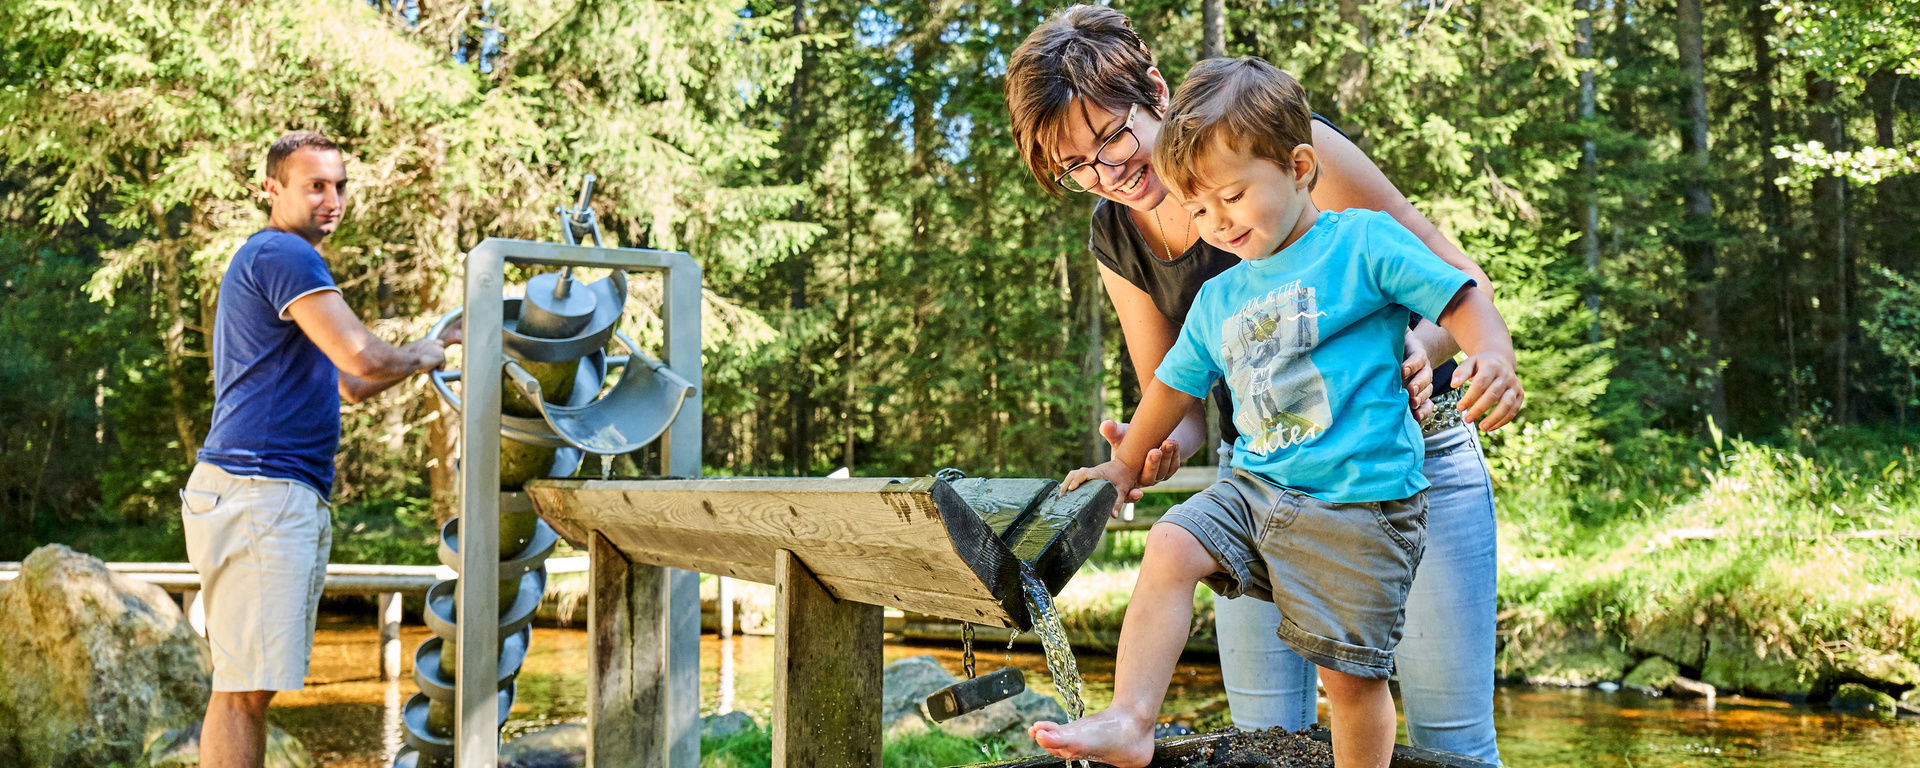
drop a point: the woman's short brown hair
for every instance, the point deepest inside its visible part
(1082, 51)
(1246, 103)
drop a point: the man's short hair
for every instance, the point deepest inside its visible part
(1246, 103)
(1083, 51)
(285, 146)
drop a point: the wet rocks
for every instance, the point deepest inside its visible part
(721, 726)
(1652, 676)
(91, 663)
(1855, 696)
(561, 746)
(180, 748)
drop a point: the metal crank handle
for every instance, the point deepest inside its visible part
(969, 695)
(441, 376)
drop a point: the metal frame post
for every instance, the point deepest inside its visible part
(476, 713)
(681, 457)
(476, 739)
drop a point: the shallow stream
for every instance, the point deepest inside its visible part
(348, 718)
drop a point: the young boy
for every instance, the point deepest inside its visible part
(1326, 513)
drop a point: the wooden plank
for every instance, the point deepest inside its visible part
(337, 584)
(350, 578)
(874, 540)
(889, 593)
(627, 682)
(1188, 479)
(827, 673)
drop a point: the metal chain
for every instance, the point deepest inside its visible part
(966, 645)
(949, 474)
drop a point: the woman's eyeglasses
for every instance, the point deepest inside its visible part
(1119, 147)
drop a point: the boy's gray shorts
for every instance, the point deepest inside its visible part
(1338, 572)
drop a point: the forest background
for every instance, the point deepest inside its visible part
(1699, 216)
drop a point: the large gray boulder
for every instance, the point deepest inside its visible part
(906, 683)
(91, 663)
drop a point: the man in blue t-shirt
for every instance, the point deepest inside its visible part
(286, 350)
(1325, 515)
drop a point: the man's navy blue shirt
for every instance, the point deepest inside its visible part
(276, 396)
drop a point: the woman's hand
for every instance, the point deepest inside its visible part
(1114, 471)
(1162, 462)
(1495, 395)
(1416, 372)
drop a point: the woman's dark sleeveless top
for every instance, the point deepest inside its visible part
(1120, 246)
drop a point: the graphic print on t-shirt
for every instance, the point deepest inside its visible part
(1282, 400)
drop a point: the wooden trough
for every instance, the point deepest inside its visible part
(838, 552)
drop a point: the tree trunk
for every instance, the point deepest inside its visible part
(1353, 63)
(800, 266)
(1213, 29)
(1830, 224)
(1590, 171)
(1894, 197)
(443, 435)
(1087, 296)
(1697, 237)
(174, 339)
(1773, 200)
(850, 331)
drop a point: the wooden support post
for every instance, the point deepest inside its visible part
(724, 586)
(631, 717)
(827, 673)
(389, 636)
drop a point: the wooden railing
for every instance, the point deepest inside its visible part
(387, 581)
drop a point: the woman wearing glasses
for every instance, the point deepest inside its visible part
(1085, 102)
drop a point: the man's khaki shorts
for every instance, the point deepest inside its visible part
(260, 545)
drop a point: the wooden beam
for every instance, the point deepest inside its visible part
(827, 673)
(911, 545)
(627, 674)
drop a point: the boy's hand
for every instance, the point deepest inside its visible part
(1114, 471)
(1162, 462)
(1495, 396)
(1416, 373)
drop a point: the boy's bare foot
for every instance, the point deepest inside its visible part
(1107, 737)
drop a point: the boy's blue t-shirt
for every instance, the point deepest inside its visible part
(1310, 341)
(276, 396)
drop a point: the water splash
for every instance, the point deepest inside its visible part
(606, 466)
(1053, 638)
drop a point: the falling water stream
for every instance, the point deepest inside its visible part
(1053, 637)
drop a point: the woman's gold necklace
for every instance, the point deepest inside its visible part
(1163, 232)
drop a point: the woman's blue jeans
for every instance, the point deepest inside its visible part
(1445, 659)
